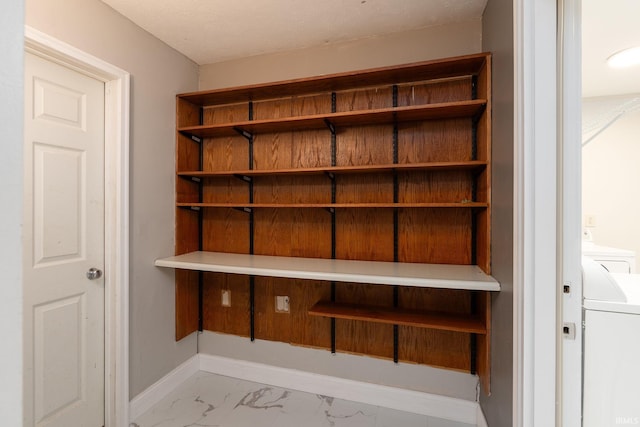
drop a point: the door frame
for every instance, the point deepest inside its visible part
(536, 209)
(570, 358)
(117, 93)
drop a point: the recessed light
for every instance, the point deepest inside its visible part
(625, 58)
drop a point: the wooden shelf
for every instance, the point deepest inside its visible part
(469, 277)
(400, 316)
(448, 110)
(473, 165)
(447, 68)
(436, 205)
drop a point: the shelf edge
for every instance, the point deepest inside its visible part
(248, 267)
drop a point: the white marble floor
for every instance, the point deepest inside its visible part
(208, 400)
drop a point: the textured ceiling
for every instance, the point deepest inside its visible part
(209, 31)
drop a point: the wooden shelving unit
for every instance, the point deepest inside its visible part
(365, 197)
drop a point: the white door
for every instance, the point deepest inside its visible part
(63, 240)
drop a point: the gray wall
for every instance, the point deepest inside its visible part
(429, 43)
(497, 37)
(11, 101)
(157, 74)
(411, 46)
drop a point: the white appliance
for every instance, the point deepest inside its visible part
(611, 395)
(615, 260)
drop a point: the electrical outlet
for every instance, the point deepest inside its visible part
(282, 304)
(590, 221)
(226, 298)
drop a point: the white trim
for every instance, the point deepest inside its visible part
(535, 184)
(433, 405)
(116, 212)
(458, 410)
(570, 363)
(161, 388)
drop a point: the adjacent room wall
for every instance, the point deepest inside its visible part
(610, 171)
(158, 73)
(497, 37)
(11, 118)
(429, 43)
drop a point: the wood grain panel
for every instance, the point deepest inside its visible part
(429, 299)
(225, 190)
(311, 149)
(293, 232)
(427, 186)
(436, 348)
(311, 104)
(187, 231)
(309, 331)
(270, 325)
(187, 159)
(187, 190)
(364, 188)
(435, 236)
(225, 230)
(292, 189)
(365, 145)
(450, 90)
(225, 113)
(483, 240)
(273, 150)
(278, 108)
(295, 327)
(364, 234)
(292, 149)
(364, 99)
(435, 141)
(225, 153)
(354, 336)
(229, 320)
(484, 342)
(186, 293)
(187, 154)
(187, 113)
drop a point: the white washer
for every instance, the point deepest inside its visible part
(611, 395)
(615, 260)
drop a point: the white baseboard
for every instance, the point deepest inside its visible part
(433, 405)
(165, 385)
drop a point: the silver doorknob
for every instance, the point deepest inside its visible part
(94, 273)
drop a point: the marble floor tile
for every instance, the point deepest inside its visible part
(208, 400)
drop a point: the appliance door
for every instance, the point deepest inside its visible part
(611, 369)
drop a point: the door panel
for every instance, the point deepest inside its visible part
(63, 239)
(58, 198)
(58, 365)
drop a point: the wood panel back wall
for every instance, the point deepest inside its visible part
(389, 165)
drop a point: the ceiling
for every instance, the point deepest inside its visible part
(608, 27)
(209, 31)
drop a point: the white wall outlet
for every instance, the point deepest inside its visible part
(590, 221)
(282, 304)
(226, 298)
